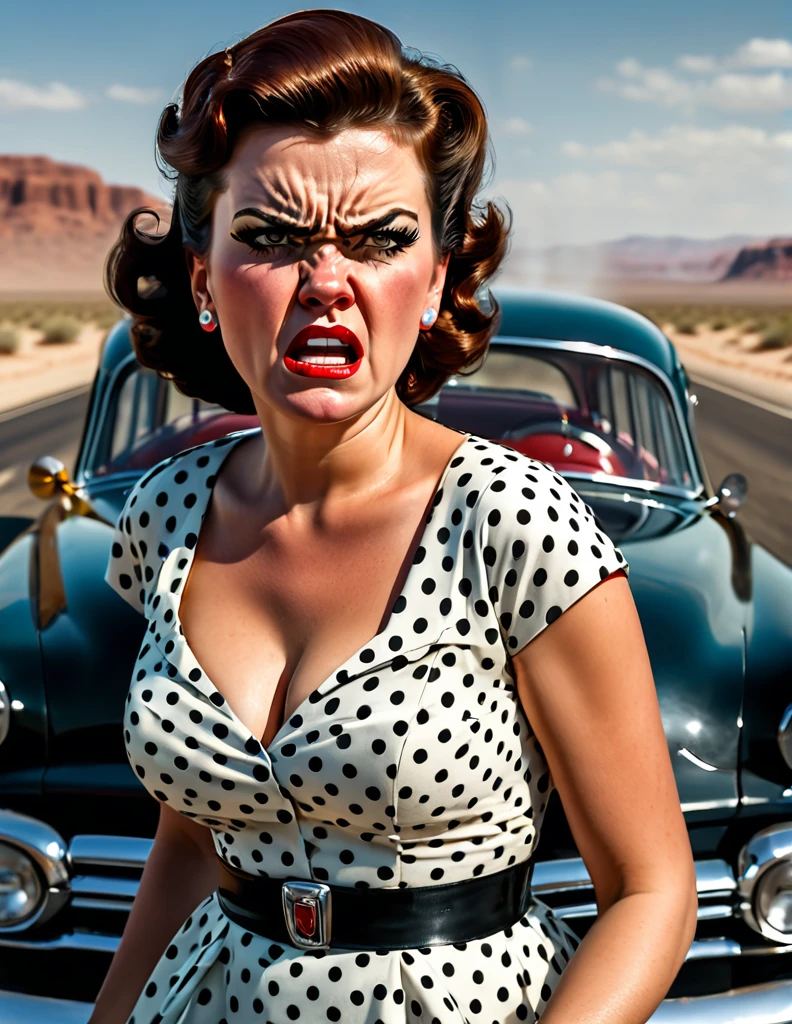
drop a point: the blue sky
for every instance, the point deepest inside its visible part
(607, 118)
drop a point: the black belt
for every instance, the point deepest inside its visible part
(312, 915)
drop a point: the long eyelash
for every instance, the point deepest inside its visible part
(404, 237)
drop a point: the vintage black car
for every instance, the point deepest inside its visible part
(592, 389)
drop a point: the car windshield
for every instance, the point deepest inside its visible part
(583, 413)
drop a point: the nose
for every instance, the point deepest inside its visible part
(325, 280)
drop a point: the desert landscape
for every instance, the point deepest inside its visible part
(724, 303)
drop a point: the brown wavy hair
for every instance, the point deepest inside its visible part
(321, 71)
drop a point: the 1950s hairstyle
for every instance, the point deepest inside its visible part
(321, 71)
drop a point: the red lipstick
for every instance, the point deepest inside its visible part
(337, 338)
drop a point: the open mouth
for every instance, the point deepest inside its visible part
(324, 351)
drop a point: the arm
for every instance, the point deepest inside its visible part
(586, 686)
(180, 873)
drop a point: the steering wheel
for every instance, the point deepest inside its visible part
(588, 437)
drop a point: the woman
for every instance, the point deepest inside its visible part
(348, 701)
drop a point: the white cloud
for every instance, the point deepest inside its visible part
(685, 146)
(648, 85)
(728, 91)
(520, 62)
(132, 94)
(684, 180)
(629, 67)
(518, 126)
(763, 53)
(750, 92)
(16, 95)
(697, 65)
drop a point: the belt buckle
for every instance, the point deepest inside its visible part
(307, 911)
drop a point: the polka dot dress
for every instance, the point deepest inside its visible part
(412, 765)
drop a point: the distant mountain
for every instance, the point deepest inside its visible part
(58, 221)
(634, 258)
(769, 261)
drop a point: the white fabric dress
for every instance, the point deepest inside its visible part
(413, 764)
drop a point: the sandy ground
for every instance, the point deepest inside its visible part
(727, 357)
(38, 370)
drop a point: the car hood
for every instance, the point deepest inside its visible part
(690, 579)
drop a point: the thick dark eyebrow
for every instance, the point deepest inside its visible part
(300, 231)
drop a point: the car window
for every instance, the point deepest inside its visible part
(584, 413)
(148, 419)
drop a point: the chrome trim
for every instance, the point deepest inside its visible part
(90, 442)
(567, 877)
(47, 850)
(710, 805)
(19, 1008)
(110, 851)
(769, 1003)
(651, 486)
(684, 752)
(703, 949)
(713, 877)
(5, 711)
(318, 897)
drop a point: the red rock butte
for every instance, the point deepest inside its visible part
(58, 220)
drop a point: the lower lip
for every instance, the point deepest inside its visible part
(326, 370)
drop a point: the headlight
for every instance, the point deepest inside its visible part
(34, 872)
(765, 882)
(21, 891)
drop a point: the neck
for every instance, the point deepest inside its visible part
(304, 463)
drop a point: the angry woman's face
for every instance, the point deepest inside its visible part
(320, 267)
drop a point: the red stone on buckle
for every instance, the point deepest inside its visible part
(305, 917)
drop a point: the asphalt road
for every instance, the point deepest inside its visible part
(734, 435)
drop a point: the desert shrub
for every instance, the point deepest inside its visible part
(60, 328)
(686, 325)
(9, 340)
(774, 336)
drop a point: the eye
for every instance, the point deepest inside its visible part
(261, 238)
(381, 239)
(271, 236)
(400, 237)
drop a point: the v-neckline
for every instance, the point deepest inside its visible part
(175, 631)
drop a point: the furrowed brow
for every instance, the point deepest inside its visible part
(280, 222)
(349, 231)
(377, 222)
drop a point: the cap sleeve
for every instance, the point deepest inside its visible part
(542, 549)
(127, 571)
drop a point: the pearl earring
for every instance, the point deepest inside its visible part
(207, 320)
(428, 318)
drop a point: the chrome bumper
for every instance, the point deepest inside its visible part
(103, 874)
(759, 1004)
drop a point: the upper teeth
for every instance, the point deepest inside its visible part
(324, 341)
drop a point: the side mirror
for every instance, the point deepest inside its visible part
(731, 493)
